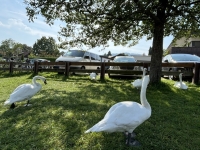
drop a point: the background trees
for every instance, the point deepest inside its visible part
(11, 49)
(45, 46)
(94, 23)
(42, 48)
(108, 54)
(6, 47)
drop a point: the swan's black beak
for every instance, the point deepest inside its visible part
(45, 81)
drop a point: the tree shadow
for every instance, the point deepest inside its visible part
(61, 116)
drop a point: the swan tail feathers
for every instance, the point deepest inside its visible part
(7, 102)
(93, 130)
(88, 131)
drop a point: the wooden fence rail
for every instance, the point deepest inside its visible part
(50, 67)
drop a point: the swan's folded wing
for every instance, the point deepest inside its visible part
(134, 115)
(23, 92)
(19, 87)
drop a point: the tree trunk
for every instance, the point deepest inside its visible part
(157, 53)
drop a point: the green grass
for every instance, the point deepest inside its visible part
(66, 107)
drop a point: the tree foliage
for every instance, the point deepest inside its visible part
(19, 50)
(10, 48)
(109, 53)
(165, 52)
(150, 51)
(6, 47)
(95, 22)
(45, 46)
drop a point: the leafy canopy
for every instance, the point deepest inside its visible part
(95, 22)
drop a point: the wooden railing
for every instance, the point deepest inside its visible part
(50, 67)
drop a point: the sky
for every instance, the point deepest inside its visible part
(14, 24)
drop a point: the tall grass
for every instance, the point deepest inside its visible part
(66, 107)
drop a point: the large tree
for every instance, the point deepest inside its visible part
(95, 22)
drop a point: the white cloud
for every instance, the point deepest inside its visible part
(17, 14)
(4, 25)
(20, 3)
(19, 25)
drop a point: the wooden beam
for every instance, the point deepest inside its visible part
(102, 75)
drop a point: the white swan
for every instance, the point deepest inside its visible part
(138, 83)
(25, 91)
(126, 116)
(181, 84)
(93, 76)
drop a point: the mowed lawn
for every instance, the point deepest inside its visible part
(66, 107)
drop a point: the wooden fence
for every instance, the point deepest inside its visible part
(50, 67)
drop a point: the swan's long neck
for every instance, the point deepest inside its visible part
(144, 72)
(143, 98)
(180, 78)
(34, 80)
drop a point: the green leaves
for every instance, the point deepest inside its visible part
(45, 46)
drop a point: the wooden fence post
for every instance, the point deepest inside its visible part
(11, 67)
(35, 67)
(102, 75)
(67, 68)
(195, 78)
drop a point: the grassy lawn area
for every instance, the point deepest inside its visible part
(66, 107)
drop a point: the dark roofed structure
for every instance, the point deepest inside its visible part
(187, 50)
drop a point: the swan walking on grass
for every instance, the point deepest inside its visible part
(93, 76)
(138, 83)
(181, 84)
(126, 116)
(25, 91)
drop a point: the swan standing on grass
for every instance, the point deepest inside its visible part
(181, 84)
(138, 83)
(126, 116)
(93, 76)
(25, 91)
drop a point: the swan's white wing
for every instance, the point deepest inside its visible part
(19, 87)
(111, 110)
(137, 83)
(177, 84)
(184, 86)
(123, 116)
(181, 86)
(128, 113)
(22, 92)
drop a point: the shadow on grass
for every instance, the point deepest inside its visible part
(59, 117)
(32, 127)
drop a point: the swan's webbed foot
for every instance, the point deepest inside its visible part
(27, 104)
(12, 106)
(130, 139)
(133, 143)
(133, 135)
